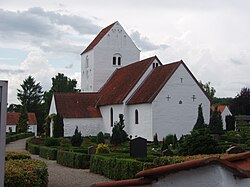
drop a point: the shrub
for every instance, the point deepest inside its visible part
(164, 145)
(37, 141)
(161, 161)
(156, 142)
(64, 142)
(102, 149)
(73, 160)
(115, 168)
(22, 173)
(17, 155)
(118, 134)
(33, 149)
(76, 139)
(48, 153)
(52, 142)
(100, 138)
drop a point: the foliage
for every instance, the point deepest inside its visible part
(156, 142)
(73, 159)
(30, 95)
(14, 108)
(23, 173)
(52, 142)
(241, 103)
(58, 126)
(222, 101)
(47, 152)
(118, 134)
(215, 123)
(208, 89)
(22, 125)
(167, 160)
(102, 149)
(198, 142)
(230, 123)
(76, 139)
(33, 149)
(100, 138)
(171, 139)
(200, 124)
(14, 137)
(164, 145)
(116, 168)
(11, 155)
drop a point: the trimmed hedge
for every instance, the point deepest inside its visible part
(17, 155)
(117, 168)
(48, 152)
(73, 159)
(25, 173)
(14, 137)
(33, 149)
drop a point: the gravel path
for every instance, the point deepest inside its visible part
(60, 176)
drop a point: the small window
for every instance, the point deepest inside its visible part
(136, 117)
(155, 65)
(111, 117)
(119, 61)
(180, 102)
(114, 60)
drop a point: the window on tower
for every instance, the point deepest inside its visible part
(117, 59)
(114, 60)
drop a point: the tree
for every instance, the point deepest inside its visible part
(76, 139)
(208, 89)
(200, 124)
(230, 123)
(241, 103)
(198, 142)
(22, 125)
(118, 134)
(58, 126)
(156, 142)
(215, 123)
(30, 95)
(164, 144)
(14, 108)
(100, 138)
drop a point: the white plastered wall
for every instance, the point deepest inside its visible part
(226, 112)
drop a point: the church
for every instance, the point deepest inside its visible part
(153, 97)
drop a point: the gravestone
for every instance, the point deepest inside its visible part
(234, 150)
(91, 150)
(167, 152)
(138, 147)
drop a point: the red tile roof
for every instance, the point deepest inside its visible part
(13, 118)
(238, 164)
(153, 84)
(123, 81)
(77, 105)
(219, 108)
(99, 37)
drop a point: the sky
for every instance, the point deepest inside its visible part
(42, 37)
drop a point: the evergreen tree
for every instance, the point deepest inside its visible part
(156, 142)
(100, 138)
(164, 144)
(215, 124)
(76, 139)
(230, 123)
(241, 103)
(118, 134)
(22, 125)
(58, 126)
(200, 124)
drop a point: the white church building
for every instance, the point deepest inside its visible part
(154, 98)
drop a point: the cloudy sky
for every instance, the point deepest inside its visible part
(42, 38)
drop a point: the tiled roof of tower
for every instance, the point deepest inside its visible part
(99, 37)
(219, 108)
(77, 105)
(123, 81)
(153, 84)
(13, 118)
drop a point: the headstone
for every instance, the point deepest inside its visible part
(91, 150)
(234, 150)
(138, 147)
(3, 117)
(167, 152)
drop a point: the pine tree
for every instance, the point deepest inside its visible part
(22, 125)
(118, 134)
(215, 124)
(200, 124)
(156, 142)
(76, 139)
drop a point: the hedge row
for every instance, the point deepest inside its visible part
(17, 155)
(33, 149)
(117, 168)
(14, 137)
(25, 173)
(48, 152)
(73, 159)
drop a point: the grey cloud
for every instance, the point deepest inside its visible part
(144, 43)
(70, 66)
(235, 61)
(12, 71)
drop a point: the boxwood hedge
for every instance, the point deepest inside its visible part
(48, 152)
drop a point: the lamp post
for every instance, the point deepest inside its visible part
(3, 117)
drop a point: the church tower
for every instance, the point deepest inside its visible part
(111, 49)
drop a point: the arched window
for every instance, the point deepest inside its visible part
(111, 117)
(87, 61)
(117, 59)
(136, 117)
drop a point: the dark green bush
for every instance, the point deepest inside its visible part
(11, 137)
(33, 149)
(48, 152)
(23, 173)
(52, 142)
(76, 139)
(16, 156)
(100, 138)
(73, 160)
(115, 168)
